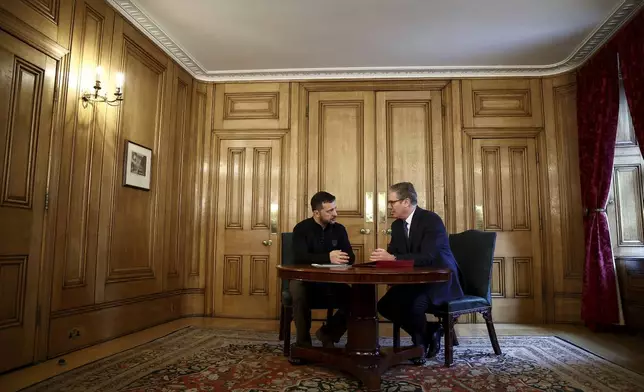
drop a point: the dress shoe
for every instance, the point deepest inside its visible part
(433, 339)
(327, 341)
(420, 360)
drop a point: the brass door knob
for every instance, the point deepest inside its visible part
(267, 242)
(387, 231)
(365, 231)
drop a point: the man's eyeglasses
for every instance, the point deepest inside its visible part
(392, 202)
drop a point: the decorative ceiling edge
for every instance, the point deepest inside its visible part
(620, 15)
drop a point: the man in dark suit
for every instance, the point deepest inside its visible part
(417, 235)
(320, 240)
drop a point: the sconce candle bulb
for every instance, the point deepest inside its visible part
(92, 97)
(120, 78)
(99, 73)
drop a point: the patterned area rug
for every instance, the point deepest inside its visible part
(200, 359)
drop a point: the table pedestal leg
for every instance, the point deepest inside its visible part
(362, 356)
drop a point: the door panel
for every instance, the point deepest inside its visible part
(409, 132)
(247, 210)
(410, 148)
(341, 150)
(506, 201)
(26, 101)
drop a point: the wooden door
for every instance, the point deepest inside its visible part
(26, 106)
(409, 134)
(506, 201)
(410, 148)
(341, 160)
(247, 218)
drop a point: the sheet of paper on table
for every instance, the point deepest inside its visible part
(330, 265)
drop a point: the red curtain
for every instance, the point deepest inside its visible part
(630, 42)
(597, 111)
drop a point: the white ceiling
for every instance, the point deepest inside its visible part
(317, 39)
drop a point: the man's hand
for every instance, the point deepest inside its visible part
(381, 255)
(338, 257)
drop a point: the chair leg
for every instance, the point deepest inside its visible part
(286, 330)
(454, 338)
(448, 326)
(487, 315)
(281, 323)
(396, 336)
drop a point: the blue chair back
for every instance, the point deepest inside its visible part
(474, 253)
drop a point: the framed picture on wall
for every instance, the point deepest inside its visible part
(137, 170)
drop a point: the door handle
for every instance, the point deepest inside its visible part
(365, 231)
(386, 231)
(267, 242)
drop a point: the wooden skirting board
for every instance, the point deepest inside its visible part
(77, 328)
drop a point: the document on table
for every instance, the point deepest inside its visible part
(330, 265)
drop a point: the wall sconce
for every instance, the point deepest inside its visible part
(91, 98)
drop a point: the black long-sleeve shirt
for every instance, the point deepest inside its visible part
(312, 244)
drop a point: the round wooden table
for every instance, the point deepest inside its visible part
(362, 356)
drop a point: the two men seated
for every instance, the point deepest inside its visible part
(416, 234)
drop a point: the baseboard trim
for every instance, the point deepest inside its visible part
(122, 302)
(79, 328)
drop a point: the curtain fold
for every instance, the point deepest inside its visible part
(597, 112)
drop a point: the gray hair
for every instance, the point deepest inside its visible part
(405, 190)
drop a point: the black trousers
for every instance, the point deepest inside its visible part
(406, 305)
(308, 294)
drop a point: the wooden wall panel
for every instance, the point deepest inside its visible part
(200, 130)
(83, 136)
(132, 221)
(498, 277)
(564, 219)
(510, 103)
(179, 203)
(13, 281)
(252, 106)
(48, 17)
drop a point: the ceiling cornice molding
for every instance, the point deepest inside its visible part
(620, 15)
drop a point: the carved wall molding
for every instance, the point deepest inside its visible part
(594, 41)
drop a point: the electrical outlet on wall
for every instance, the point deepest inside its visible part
(74, 333)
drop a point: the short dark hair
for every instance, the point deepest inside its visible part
(405, 190)
(319, 198)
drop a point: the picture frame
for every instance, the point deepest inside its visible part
(137, 166)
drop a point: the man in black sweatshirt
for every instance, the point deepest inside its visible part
(320, 240)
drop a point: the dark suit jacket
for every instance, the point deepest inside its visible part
(429, 247)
